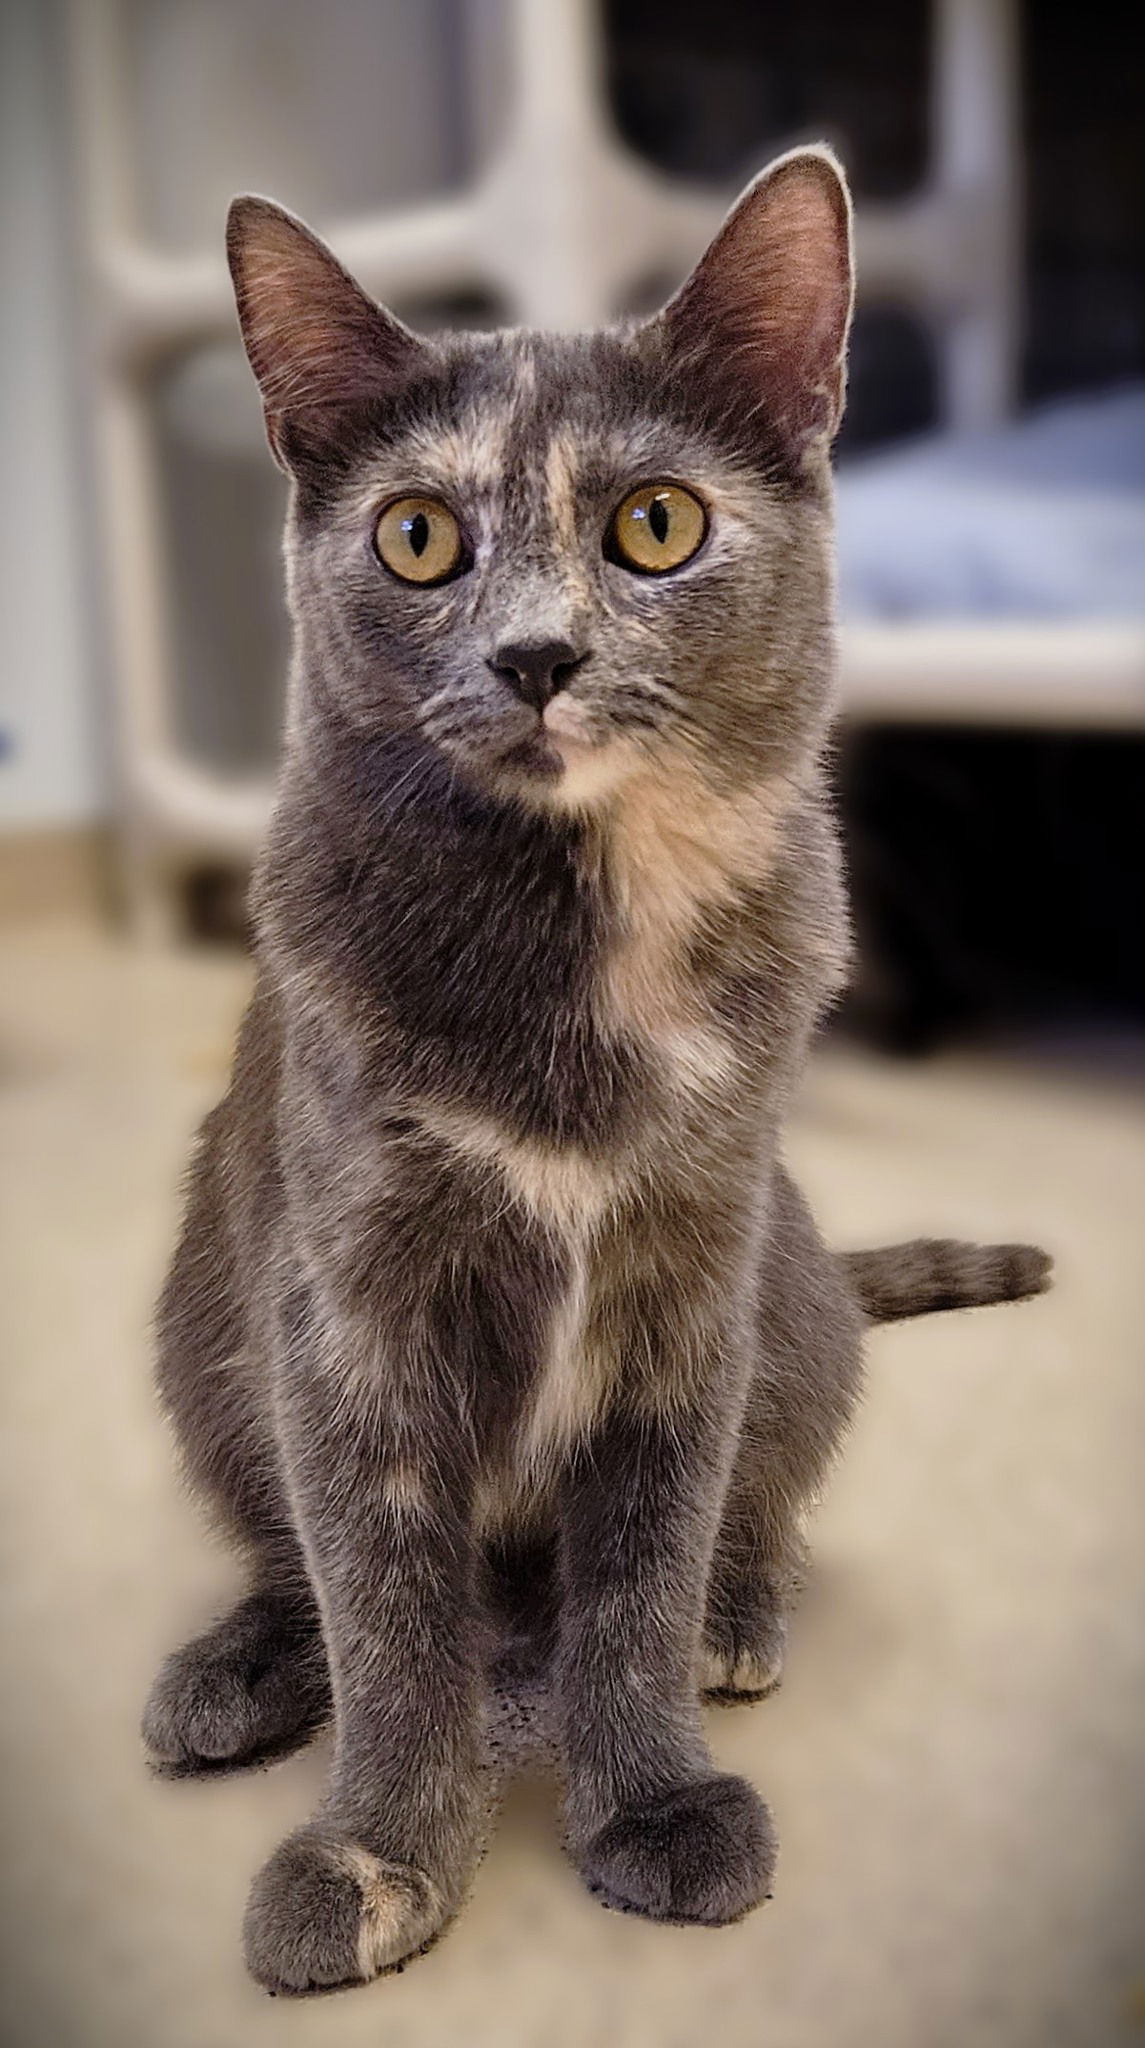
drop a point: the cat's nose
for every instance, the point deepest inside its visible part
(537, 671)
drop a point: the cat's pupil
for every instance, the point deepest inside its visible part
(417, 532)
(658, 519)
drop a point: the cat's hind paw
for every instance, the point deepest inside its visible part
(254, 1686)
(745, 1632)
(324, 1912)
(701, 1854)
(740, 1673)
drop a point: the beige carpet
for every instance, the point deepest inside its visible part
(955, 1760)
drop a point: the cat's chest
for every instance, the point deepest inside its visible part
(548, 981)
(574, 1074)
(567, 1394)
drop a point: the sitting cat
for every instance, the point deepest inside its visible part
(491, 1272)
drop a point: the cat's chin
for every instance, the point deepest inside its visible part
(590, 774)
(554, 772)
(537, 759)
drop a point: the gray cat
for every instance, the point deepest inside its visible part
(494, 1297)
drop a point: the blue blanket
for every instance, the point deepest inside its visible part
(1044, 518)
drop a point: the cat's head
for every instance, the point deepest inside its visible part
(562, 560)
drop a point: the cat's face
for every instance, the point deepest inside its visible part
(560, 560)
(556, 654)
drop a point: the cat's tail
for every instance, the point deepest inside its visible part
(943, 1272)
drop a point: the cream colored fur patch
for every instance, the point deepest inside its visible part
(677, 850)
(400, 1908)
(560, 1185)
(403, 1491)
(467, 456)
(575, 1376)
(744, 1673)
(573, 1380)
(560, 490)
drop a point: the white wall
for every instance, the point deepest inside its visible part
(51, 770)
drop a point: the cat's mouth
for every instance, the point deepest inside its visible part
(565, 769)
(560, 742)
(537, 756)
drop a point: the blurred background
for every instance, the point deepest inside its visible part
(956, 1754)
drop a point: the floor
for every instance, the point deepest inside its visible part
(954, 1760)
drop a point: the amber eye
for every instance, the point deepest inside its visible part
(419, 539)
(657, 527)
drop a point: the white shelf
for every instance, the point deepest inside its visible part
(1087, 675)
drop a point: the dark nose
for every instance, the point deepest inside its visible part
(537, 671)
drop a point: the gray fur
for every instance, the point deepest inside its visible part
(495, 1308)
(934, 1273)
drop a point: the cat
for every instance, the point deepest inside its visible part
(492, 1283)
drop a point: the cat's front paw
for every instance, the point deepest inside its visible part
(325, 1912)
(703, 1853)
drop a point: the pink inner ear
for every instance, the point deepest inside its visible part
(304, 350)
(811, 296)
(312, 335)
(768, 306)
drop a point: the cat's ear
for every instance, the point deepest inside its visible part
(764, 316)
(314, 338)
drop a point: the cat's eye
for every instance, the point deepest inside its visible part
(420, 540)
(656, 528)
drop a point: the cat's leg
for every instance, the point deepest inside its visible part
(803, 1390)
(754, 1579)
(256, 1683)
(382, 1487)
(651, 1823)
